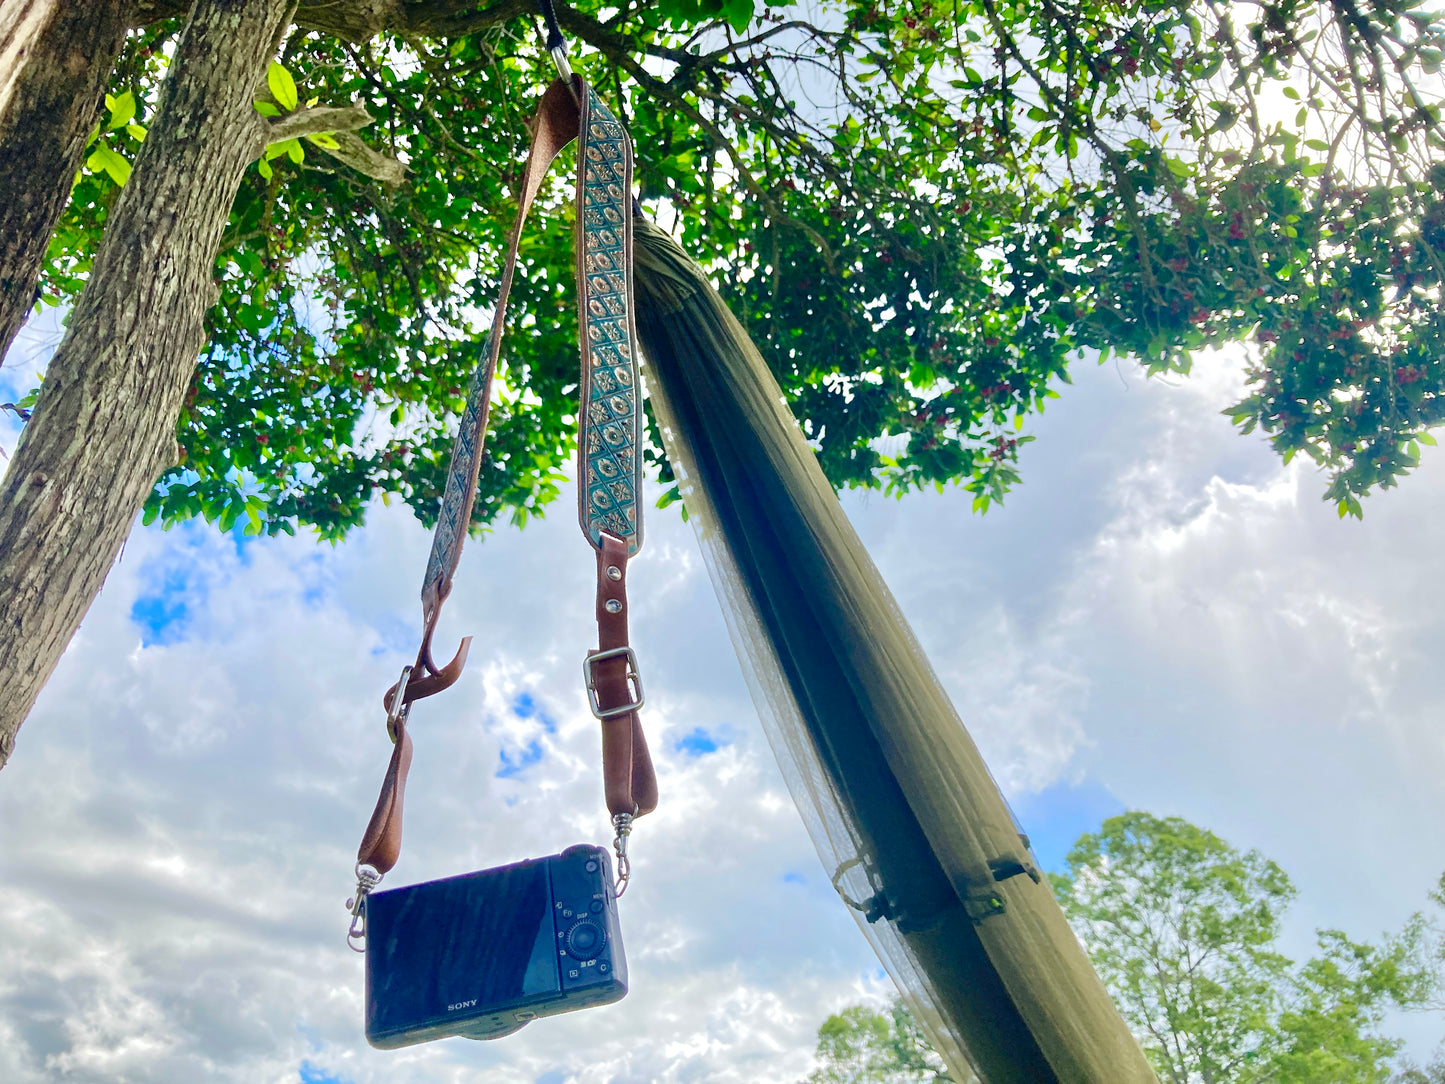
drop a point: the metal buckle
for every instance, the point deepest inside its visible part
(589, 676)
(398, 710)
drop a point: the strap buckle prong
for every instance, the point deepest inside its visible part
(634, 676)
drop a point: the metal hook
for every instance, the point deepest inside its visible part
(559, 58)
(366, 880)
(622, 823)
(556, 43)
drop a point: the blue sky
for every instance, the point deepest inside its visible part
(1162, 617)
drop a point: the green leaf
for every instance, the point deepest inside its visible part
(103, 158)
(738, 13)
(283, 87)
(324, 139)
(267, 109)
(264, 168)
(1426, 438)
(136, 132)
(122, 110)
(289, 147)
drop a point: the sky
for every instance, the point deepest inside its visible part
(1162, 617)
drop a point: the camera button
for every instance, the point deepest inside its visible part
(567, 913)
(572, 974)
(591, 867)
(602, 968)
(595, 907)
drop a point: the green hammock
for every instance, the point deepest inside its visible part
(894, 793)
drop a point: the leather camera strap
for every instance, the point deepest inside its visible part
(609, 473)
(609, 460)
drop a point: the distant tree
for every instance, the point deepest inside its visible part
(1434, 1073)
(1183, 929)
(861, 1045)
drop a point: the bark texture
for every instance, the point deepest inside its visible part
(59, 56)
(104, 426)
(22, 22)
(359, 20)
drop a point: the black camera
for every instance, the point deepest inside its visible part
(482, 954)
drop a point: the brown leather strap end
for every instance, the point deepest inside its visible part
(381, 844)
(644, 778)
(427, 681)
(628, 777)
(629, 780)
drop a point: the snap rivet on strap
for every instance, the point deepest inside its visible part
(613, 572)
(613, 606)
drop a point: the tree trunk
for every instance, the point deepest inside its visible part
(22, 24)
(104, 426)
(58, 58)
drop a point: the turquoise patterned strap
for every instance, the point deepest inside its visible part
(555, 125)
(609, 465)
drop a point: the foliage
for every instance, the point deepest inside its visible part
(923, 210)
(861, 1045)
(1434, 1073)
(1183, 929)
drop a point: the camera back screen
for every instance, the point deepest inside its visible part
(447, 948)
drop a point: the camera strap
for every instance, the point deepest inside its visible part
(609, 477)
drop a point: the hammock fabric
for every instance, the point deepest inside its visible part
(894, 793)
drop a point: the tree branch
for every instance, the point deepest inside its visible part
(359, 20)
(321, 118)
(341, 124)
(351, 151)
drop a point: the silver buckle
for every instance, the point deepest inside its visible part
(589, 676)
(398, 710)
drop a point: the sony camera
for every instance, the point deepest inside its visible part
(482, 954)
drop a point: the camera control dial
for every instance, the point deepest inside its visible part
(585, 940)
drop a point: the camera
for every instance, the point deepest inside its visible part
(482, 954)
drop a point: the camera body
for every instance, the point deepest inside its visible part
(482, 954)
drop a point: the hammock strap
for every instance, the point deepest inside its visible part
(608, 466)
